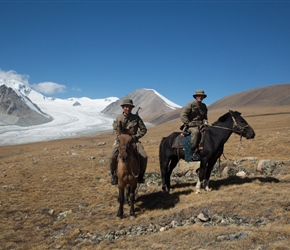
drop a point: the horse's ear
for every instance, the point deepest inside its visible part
(234, 113)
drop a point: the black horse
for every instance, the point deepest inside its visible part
(216, 136)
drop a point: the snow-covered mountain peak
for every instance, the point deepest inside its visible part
(169, 103)
(23, 90)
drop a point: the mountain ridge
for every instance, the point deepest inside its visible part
(152, 106)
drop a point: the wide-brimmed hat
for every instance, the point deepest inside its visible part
(200, 92)
(127, 102)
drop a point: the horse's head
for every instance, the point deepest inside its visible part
(126, 144)
(241, 126)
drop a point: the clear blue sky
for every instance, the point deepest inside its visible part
(109, 48)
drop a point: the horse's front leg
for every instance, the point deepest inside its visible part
(209, 168)
(197, 186)
(206, 185)
(132, 201)
(121, 203)
(128, 190)
(201, 175)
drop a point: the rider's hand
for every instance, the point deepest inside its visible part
(201, 127)
(206, 123)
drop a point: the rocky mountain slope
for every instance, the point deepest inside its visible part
(147, 103)
(19, 110)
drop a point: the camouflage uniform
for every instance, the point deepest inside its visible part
(193, 115)
(130, 121)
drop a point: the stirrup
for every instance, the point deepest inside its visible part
(195, 157)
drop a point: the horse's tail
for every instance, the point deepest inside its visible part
(161, 150)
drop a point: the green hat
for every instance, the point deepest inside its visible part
(200, 92)
(128, 102)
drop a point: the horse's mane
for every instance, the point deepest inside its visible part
(224, 117)
(125, 131)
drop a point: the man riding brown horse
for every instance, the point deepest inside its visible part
(128, 120)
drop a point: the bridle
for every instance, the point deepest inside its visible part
(238, 129)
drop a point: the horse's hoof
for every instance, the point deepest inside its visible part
(165, 191)
(119, 217)
(132, 217)
(197, 192)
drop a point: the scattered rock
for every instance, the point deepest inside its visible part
(241, 173)
(63, 214)
(231, 237)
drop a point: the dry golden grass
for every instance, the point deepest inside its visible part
(40, 181)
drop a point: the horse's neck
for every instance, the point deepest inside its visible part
(225, 129)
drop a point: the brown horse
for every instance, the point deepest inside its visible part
(127, 171)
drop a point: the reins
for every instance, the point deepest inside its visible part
(138, 160)
(235, 125)
(234, 130)
(132, 154)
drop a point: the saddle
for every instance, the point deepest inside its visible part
(182, 141)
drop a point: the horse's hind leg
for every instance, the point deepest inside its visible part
(164, 175)
(132, 202)
(172, 165)
(121, 203)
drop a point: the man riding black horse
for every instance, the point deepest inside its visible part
(172, 148)
(194, 117)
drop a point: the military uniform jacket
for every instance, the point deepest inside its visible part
(131, 121)
(193, 114)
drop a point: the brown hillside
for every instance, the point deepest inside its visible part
(269, 96)
(274, 95)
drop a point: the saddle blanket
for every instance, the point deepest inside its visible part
(184, 142)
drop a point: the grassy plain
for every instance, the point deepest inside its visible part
(57, 194)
